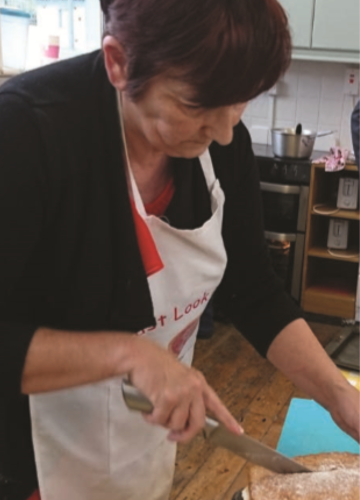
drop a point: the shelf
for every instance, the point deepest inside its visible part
(323, 253)
(329, 279)
(349, 167)
(333, 300)
(341, 214)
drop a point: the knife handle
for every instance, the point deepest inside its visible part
(136, 400)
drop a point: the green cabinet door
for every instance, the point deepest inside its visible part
(336, 25)
(300, 13)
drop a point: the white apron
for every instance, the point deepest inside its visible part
(88, 445)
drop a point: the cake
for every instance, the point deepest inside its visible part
(335, 476)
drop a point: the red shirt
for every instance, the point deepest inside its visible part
(35, 496)
(149, 253)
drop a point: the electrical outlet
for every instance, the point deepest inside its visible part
(351, 83)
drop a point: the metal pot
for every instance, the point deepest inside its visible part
(287, 143)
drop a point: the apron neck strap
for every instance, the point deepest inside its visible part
(133, 186)
(205, 161)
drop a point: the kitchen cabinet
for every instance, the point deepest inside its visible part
(300, 15)
(336, 25)
(324, 30)
(329, 277)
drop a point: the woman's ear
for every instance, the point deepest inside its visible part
(115, 62)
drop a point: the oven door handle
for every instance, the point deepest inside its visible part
(279, 188)
(270, 235)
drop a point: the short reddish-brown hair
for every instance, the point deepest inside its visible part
(228, 51)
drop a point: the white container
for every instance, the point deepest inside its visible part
(348, 193)
(14, 27)
(338, 234)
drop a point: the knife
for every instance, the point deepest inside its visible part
(244, 446)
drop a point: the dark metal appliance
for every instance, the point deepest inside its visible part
(285, 194)
(344, 348)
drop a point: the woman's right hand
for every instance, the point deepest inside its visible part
(180, 394)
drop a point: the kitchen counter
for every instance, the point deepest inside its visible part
(258, 396)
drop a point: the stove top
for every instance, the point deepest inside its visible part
(281, 170)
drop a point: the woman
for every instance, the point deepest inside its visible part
(112, 229)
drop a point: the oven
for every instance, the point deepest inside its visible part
(285, 211)
(285, 194)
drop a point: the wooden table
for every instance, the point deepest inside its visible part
(257, 395)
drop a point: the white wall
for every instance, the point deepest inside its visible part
(311, 93)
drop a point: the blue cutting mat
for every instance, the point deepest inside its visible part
(309, 428)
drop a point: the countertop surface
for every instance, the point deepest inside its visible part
(257, 395)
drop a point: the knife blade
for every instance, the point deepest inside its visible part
(245, 446)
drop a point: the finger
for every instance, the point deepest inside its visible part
(196, 423)
(160, 415)
(214, 404)
(179, 418)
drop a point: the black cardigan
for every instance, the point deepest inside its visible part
(68, 252)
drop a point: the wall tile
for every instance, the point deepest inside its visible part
(309, 85)
(261, 122)
(260, 107)
(326, 142)
(330, 110)
(288, 86)
(285, 109)
(346, 138)
(307, 110)
(305, 67)
(332, 83)
(284, 124)
(260, 134)
(345, 124)
(247, 112)
(247, 120)
(347, 108)
(308, 125)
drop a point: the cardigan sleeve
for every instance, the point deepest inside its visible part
(21, 215)
(251, 295)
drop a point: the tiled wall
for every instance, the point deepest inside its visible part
(311, 93)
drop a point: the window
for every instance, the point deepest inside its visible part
(37, 32)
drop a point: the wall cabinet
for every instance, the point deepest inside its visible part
(300, 15)
(336, 25)
(325, 30)
(329, 276)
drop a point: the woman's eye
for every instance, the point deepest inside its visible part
(188, 105)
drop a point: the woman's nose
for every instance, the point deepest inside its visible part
(221, 122)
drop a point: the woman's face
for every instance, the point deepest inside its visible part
(168, 122)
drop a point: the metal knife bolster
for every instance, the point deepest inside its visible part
(244, 446)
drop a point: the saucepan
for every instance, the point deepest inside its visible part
(295, 142)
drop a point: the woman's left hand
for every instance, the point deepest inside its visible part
(346, 411)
